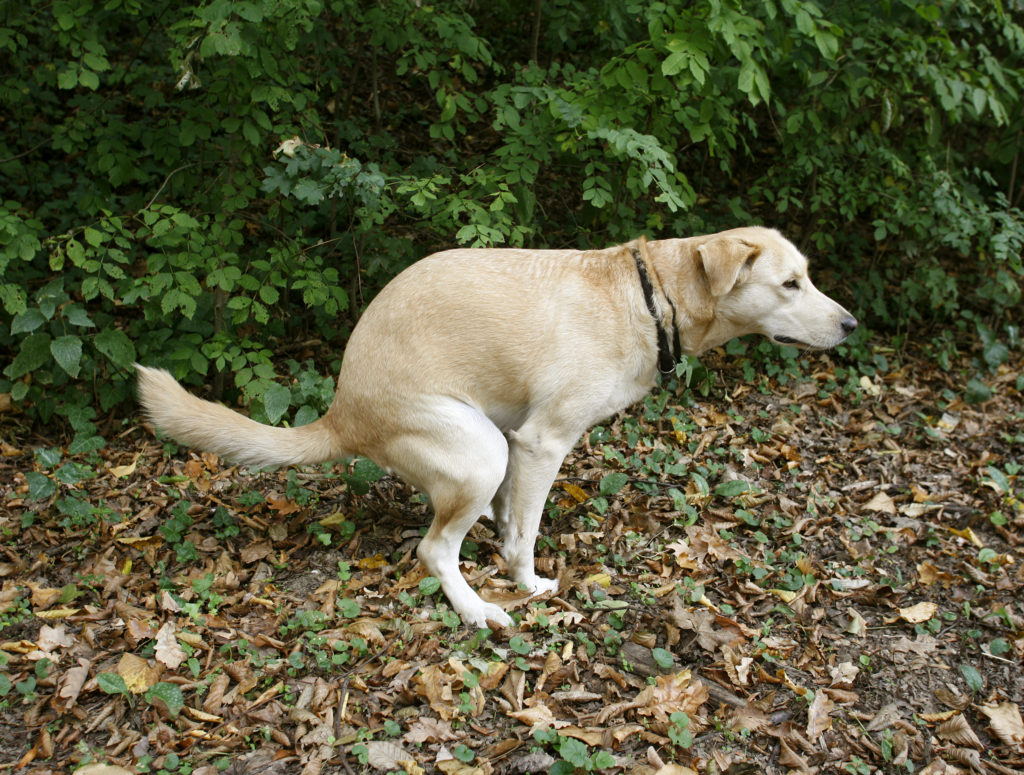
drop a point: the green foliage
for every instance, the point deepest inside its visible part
(189, 185)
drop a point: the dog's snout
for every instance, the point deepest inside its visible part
(848, 324)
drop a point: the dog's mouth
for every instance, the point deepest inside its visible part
(782, 339)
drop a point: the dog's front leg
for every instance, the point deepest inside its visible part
(534, 460)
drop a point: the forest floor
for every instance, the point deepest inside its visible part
(808, 569)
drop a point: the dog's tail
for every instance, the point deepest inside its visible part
(215, 428)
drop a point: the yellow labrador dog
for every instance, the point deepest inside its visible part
(474, 372)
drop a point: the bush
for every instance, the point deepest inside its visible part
(190, 184)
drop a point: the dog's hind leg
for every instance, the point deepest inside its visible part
(458, 458)
(534, 459)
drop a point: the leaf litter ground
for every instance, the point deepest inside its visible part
(810, 573)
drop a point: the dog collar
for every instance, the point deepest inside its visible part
(668, 353)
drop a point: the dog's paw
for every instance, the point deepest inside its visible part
(485, 615)
(538, 585)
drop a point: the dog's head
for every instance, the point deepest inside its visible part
(754, 281)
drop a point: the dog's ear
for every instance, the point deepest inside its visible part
(724, 259)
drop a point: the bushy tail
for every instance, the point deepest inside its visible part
(215, 428)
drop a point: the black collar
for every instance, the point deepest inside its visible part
(668, 350)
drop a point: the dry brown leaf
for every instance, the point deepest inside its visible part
(881, 503)
(256, 551)
(858, 626)
(57, 613)
(968, 535)
(818, 715)
(43, 597)
(214, 699)
(538, 716)
(790, 758)
(51, 638)
(369, 630)
(917, 614)
(1005, 720)
(737, 666)
(138, 675)
(103, 769)
(886, 717)
(203, 716)
(385, 755)
(671, 693)
(591, 737)
(72, 682)
(426, 729)
(939, 767)
(168, 651)
(127, 470)
(844, 674)
(958, 730)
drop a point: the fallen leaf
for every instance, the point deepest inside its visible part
(538, 716)
(426, 729)
(881, 503)
(138, 675)
(385, 755)
(127, 470)
(168, 650)
(51, 638)
(73, 680)
(916, 614)
(1005, 720)
(669, 694)
(958, 730)
(968, 535)
(818, 716)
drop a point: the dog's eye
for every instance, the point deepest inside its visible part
(791, 285)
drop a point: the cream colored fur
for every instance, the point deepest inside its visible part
(474, 372)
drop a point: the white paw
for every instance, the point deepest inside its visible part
(538, 585)
(484, 615)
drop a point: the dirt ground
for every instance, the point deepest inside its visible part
(809, 569)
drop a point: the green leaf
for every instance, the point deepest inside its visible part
(276, 400)
(675, 63)
(732, 488)
(28, 321)
(429, 585)
(348, 607)
(116, 346)
(68, 79)
(999, 479)
(112, 683)
(77, 316)
(663, 658)
(40, 486)
(168, 693)
(34, 352)
(520, 645)
(973, 678)
(703, 488)
(612, 483)
(67, 351)
(977, 391)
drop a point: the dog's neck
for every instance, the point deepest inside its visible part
(676, 266)
(668, 346)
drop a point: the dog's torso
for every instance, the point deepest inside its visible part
(508, 332)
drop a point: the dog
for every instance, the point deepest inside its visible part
(473, 373)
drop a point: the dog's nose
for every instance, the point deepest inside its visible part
(848, 324)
